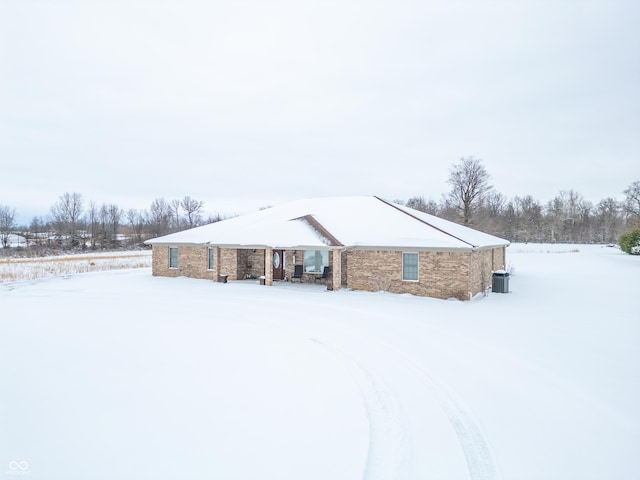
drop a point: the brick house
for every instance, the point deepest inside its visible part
(367, 243)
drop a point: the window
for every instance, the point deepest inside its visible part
(315, 260)
(210, 264)
(410, 267)
(173, 257)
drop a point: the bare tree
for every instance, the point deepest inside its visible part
(608, 220)
(427, 206)
(532, 219)
(193, 209)
(114, 215)
(417, 203)
(555, 215)
(136, 221)
(7, 224)
(103, 226)
(93, 223)
(569, 218)
(494, 203)
(632, 203)
(159, 217)
(213, 218)
(490, 213)
(67, 215)
(175, 220)
(38, 228)
(469, 182)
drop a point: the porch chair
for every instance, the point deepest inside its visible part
(324, 276)
(297, 273)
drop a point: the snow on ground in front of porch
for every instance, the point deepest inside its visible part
(124, 375)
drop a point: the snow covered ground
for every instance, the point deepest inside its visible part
(123, 375)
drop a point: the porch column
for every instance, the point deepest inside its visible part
(216, 263)
(336, 271)
(268, 266)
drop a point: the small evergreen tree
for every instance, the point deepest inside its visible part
(630, 242)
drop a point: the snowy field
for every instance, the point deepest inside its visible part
(28, 268)
(121, 375)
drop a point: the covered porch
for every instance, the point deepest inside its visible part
(273, 264)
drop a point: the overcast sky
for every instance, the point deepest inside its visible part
(254, 102)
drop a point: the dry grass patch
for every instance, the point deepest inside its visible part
(21, 269)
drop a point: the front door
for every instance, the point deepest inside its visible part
(278, 264)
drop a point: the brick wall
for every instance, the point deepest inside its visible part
(480, 274)
(291, 258)
(229, 263)
(192, 262)
(250, 262)
(500, 258)
(236, 263)
(345, 267)
(440, 274)
(483, 264)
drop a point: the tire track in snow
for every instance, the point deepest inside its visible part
(477, 453)
(470, 435)
(385, 450)
(384, 459)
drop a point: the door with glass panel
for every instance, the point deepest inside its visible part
(278, 264)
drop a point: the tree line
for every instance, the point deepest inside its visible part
(567, 218)
(73, 223)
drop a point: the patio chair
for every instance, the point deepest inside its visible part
(297, 273)
(324, 276)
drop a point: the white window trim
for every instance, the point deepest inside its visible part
(418, 272)
(177, 257)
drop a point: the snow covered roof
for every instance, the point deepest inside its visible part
(320, 223)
